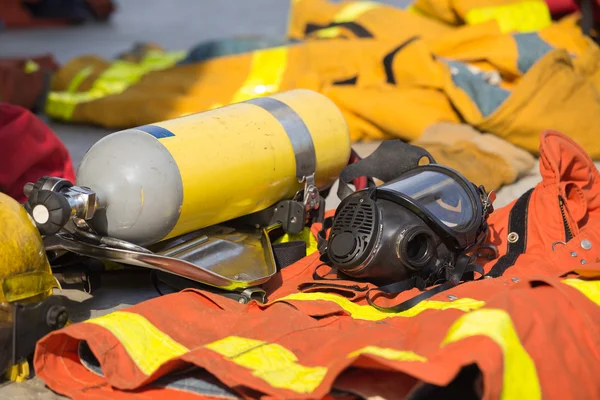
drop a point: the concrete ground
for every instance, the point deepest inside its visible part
(175, 24)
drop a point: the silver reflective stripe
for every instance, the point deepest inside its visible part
(302, 143)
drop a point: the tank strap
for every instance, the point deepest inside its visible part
(289, 253)
(517, 228)
(297, 131)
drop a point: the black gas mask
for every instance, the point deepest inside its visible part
(413, 231)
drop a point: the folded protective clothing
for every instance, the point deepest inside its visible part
(485, 159)
(29, 151)
(393, 83)
(423, 89)
(503, 337)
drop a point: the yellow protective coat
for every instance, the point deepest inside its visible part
(392, 72)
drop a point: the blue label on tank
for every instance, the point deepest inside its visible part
(156, 131)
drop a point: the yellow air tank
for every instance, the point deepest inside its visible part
(162, 180)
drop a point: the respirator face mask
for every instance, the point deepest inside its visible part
(417, 225)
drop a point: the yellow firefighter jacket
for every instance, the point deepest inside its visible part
(500, 66)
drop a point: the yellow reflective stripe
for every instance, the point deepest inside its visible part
(520, 380)
(61, 105)
(270, 362)
(114, 80)
(148, 347)
(118, 77)
(328, 33)
(354, 10)
(31, 66)
(158, 59)
(389, 354)
(591, 289)
(414, 10)
(266, 73)
(79, 78)
(525, 16)
(369, 313)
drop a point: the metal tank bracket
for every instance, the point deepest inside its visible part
(305, 208)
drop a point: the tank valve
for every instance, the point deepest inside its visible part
(52, 202)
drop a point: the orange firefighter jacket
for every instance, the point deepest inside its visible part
(531, 333)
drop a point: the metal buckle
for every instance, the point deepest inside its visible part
(253, 293)
(310, 193)
(311, 200)
(487, 201)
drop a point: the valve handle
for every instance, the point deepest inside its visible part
(49, 210)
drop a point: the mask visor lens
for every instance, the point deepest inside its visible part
(438, 193)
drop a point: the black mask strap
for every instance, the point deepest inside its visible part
(322, 237)
(462, 271)
(390, 160)
(318, 276)
(325, 286)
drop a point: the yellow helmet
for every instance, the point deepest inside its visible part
(25, 274)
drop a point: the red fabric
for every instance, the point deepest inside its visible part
(560, 8)
(556, 324)
(29, 151)
(23, 88)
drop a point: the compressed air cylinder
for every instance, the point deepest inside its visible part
(162, 180)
